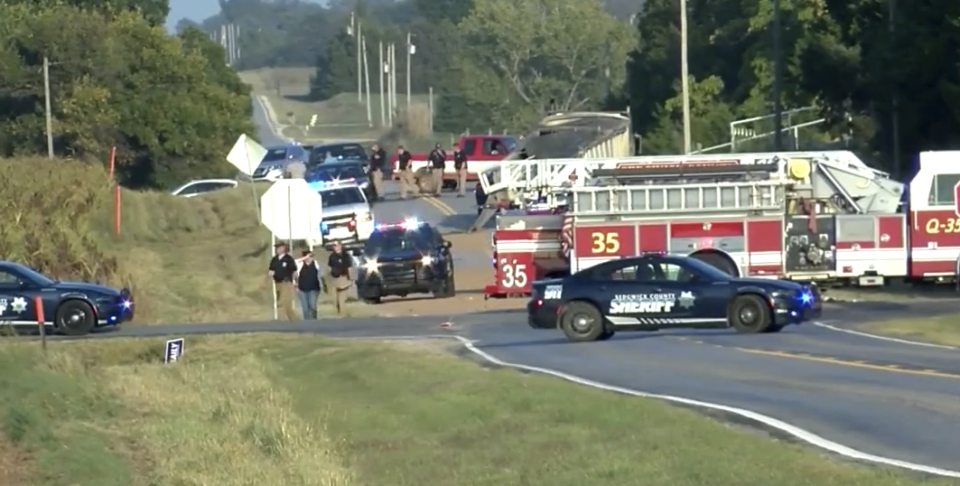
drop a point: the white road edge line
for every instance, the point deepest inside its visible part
(804, 435)
(884, 338)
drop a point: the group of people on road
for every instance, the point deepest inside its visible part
(306, 278)
(437, 164)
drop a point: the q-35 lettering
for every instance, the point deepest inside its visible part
(643, 303)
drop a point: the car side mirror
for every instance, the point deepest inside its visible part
(24, 285)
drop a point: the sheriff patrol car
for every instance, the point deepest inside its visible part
(653, 292)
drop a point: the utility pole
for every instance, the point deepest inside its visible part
(357, 32)
(393, 75)
(383, 108)
(895, 98)
(777, 79)
(685, 78)
(410, 49)
(389, 70)
(47, 107)
(366, 75)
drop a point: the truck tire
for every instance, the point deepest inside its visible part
(582, 322)
(749, 314)
(75, 318)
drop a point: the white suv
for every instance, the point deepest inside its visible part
(347, 217)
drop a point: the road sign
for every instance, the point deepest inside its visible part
(173, 350)
(291, 210)
(246, 154)
(956, 198)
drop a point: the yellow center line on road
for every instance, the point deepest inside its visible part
(890, 368)
(445, 209)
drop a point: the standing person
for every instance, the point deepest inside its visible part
(282, 270)
(378, 160)
(438, 160)
(406, 172)
(340, 266)
(460, 164)
(308, 284)
(481, 197)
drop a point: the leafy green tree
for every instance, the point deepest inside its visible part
(168, 104)
(337, 68)
(519, 56)
(154, 11)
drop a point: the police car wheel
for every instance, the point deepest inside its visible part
(750, 314)
(581, 322)
(75, 318)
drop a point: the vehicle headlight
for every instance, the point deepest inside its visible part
(363, 217)
(427, 259)
(371, 266)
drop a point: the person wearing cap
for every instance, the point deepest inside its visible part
(308, 284)
(378, 160)
(282, 270)
(460, 165)
(407, 182)
(340, 266)
(438, 163)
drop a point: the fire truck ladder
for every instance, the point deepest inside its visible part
(531, 180)
(765, 198)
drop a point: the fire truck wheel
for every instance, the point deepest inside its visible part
(581, 322)
(749, 314)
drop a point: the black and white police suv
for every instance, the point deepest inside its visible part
(402, 259)
(653, 292)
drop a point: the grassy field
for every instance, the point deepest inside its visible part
(342, 117)
(290, 410)
(940, 329)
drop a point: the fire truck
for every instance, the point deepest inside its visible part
(812, 216)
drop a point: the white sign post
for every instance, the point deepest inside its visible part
(291, 211)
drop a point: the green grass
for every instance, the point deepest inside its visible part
(940, 329)
(297, 410)
(201, 259)
(342, 117)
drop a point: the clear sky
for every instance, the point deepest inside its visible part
(195, 10)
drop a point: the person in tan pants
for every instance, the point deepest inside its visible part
(460, 164)
(407, 182)
(378, 161)
(283, 268)
(341, 270)
(438, 162)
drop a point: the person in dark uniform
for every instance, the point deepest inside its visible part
(438, 162)
(460, 164)
(481, 197)
(340, 266)
(407, 183)
(282, 270)
(308, 284)
(378, 160)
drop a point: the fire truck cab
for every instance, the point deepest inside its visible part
(813, 216)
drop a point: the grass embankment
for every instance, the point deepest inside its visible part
(939, 329)
(289, 410)
(342, 117)
(201, 259)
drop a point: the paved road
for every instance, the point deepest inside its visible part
(890, 399)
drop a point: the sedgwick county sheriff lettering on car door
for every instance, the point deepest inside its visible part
(649, 303)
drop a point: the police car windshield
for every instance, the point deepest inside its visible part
(341, 197)
(394, 240)
(341, 152)
(338, 172)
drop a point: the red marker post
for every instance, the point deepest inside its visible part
(38, 304)
(956, 198)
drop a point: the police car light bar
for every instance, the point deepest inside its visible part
(407, 224)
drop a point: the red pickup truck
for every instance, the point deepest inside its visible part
(483, 152)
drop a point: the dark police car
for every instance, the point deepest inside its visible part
(405, 259)
(72, 308)
(653, 292)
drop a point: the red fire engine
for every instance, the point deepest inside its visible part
(823, 216)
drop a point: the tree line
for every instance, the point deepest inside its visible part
(169, 104)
